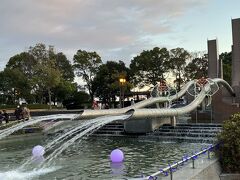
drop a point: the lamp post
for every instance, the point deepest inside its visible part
(122, 81)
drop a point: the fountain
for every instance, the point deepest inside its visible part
(70, 155)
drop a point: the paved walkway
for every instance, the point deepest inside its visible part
(205, 169)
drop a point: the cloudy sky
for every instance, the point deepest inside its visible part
(116, 29)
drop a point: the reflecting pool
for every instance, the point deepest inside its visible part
(89, 158)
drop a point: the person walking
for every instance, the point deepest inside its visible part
(18, 113)
(25, 113)
(95, 105)
(1, 117)
(6, 116)
(132, 102)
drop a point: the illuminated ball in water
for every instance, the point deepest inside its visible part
(117, 156)
(38, 151)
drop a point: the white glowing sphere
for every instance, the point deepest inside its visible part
(38, 151)
(117, 156)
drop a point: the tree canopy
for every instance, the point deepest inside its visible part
(149, 67)
(226, 59)
(86, 65)
(106, 82)
(31, 74)
(42, 75)
(197, 68)
(178, 57)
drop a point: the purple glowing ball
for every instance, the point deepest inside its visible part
(117, 156)
(38, 151)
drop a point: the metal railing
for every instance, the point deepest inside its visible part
(173, 167)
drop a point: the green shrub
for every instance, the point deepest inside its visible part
(229, 153)
(39, 106)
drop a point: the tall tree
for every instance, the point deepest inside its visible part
(31, 66)
(86, 65)
(107, 78)
(63, 90)
(197, 68)
(49, 62)
(149, 67)
(66, 86)
(65, 66)
(226, 59)
(48, 77)
(178, 57)
(14, 84)
(40, 52)
(19, 72)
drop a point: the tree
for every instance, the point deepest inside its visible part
(65, 67)
(78, 100)
(226, 59)
(24, 62)
(197, 68)
(48, 77)
(64, 90)
(149, 67)
(14, 85)
(18, 75)
(56, 65)
(86, 65)
(40, 52)
(66, 86)
(25, 70)
(106, 82)
(178, 57)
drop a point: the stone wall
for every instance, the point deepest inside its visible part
(144, 125)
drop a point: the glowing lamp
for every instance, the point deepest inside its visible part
(117, 156)
(38, 151)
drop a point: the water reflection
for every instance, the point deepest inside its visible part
(117, 168)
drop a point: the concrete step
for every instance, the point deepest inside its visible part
(184, 134)
(189, 128)
(112, 128)
(199, 125)
(188, 131)
(177, 138)
(109, 132)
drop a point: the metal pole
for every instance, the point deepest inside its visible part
(169, 168)
(211, 114)
(120, 97)
(196, 115)
(171, 174)
(123, 96)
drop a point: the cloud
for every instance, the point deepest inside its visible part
(101, 25)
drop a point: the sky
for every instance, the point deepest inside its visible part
(115, 29)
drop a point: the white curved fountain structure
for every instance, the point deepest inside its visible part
(139, 111)
(136, 111)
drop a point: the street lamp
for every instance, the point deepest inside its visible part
(122, 81)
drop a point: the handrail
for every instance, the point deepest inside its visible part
(170, 168)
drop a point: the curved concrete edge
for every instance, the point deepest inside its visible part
(229, 176)
(205, 169)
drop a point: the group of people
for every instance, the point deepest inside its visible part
(22, 113)
(96, 105)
